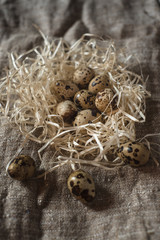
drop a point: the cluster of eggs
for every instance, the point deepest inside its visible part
(80, 183)
(84, 99)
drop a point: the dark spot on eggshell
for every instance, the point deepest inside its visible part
(136, 150)
(136, 161)
(121, 149)
(80, 175)
(86, 196)
(135, 154)
(128, 158)
(67, 87)
(76, 190)
(130, 149)
(90, 182)
(71, 183)
(89, 100)
(23, 164)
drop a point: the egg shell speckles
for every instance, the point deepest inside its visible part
(102, 100)
(86, 116)
(67, 110)
(21, 168)
(81, 186)
(134, 154)
(98, 83)
(64, 89)
(82, 76)
(84, 99)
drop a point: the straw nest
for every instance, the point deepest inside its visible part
(27, 100)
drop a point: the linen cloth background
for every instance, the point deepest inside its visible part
(127, 205)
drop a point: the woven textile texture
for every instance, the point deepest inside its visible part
(127, 205)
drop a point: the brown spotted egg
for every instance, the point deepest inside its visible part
(21, 168)
(67, 110)
(64, 89)
(84, 99)
(86, 116)
(103, 100)
(98, 83)
(134, 154)
(81, 186)
(82, 76)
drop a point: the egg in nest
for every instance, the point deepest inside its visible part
(82, 76)
(65, 90)
(86, 116)
(67, 110)
(98, 83)
(84, 99)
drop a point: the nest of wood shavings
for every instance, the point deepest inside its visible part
(27, 101)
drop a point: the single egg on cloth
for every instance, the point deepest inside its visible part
(84, 99)
(67, 110)
(21, 168)
(86, 116)
(82, 76)
(81, 186)
(134, 154)
(64, 89)
(98, 83)
(103, 100)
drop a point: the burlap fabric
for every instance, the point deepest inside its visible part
(127, 205)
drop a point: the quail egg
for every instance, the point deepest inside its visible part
(81, 186)
(134, 154)
(64, 89)
(86, 116)
(98, 83)
(103, 100)
(82, 76)
(67, 110)
(84, 99)
(21, 168)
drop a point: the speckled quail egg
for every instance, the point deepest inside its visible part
(81, 186)
(21, 168)
(67, 110)
(134, 154)
(82, 76)
(103, 100)
(84, 99)
(98, 83)
(64, 89)
(86, 116)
